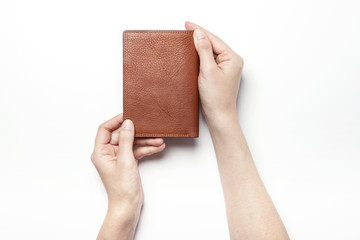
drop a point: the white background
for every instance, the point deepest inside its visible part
(299, 107)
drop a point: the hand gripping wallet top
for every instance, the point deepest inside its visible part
(161, 94)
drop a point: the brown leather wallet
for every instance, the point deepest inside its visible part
(161, 96)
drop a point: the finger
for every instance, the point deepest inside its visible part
(126, 138)
(115, 137)
(103, 135)
(218, 45)
(204, 49)
(149, 141)
(137, 141)
(143, 151)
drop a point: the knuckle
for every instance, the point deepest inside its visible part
(205, 44)
(95, 159)
(124, 131)
(220, 58)
(103, 151)
(239, 61)
(101, 126)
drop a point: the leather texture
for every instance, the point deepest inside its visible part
(161, 96)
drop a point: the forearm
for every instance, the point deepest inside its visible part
(250, 211)
(119, 224)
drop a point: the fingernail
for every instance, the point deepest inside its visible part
(127, 124)
(199, 34)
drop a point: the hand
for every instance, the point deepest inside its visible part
(220, 71)
(116, 159)
(250, 211)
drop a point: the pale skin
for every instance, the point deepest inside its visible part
(250, 211)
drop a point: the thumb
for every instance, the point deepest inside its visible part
(204, 49)
(126, 138)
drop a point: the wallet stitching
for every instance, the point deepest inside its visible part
(163, 134)
(125, 80)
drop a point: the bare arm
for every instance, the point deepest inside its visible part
(250, 211)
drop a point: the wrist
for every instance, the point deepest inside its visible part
(124, 212)
(120, 222)
(219, 120)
